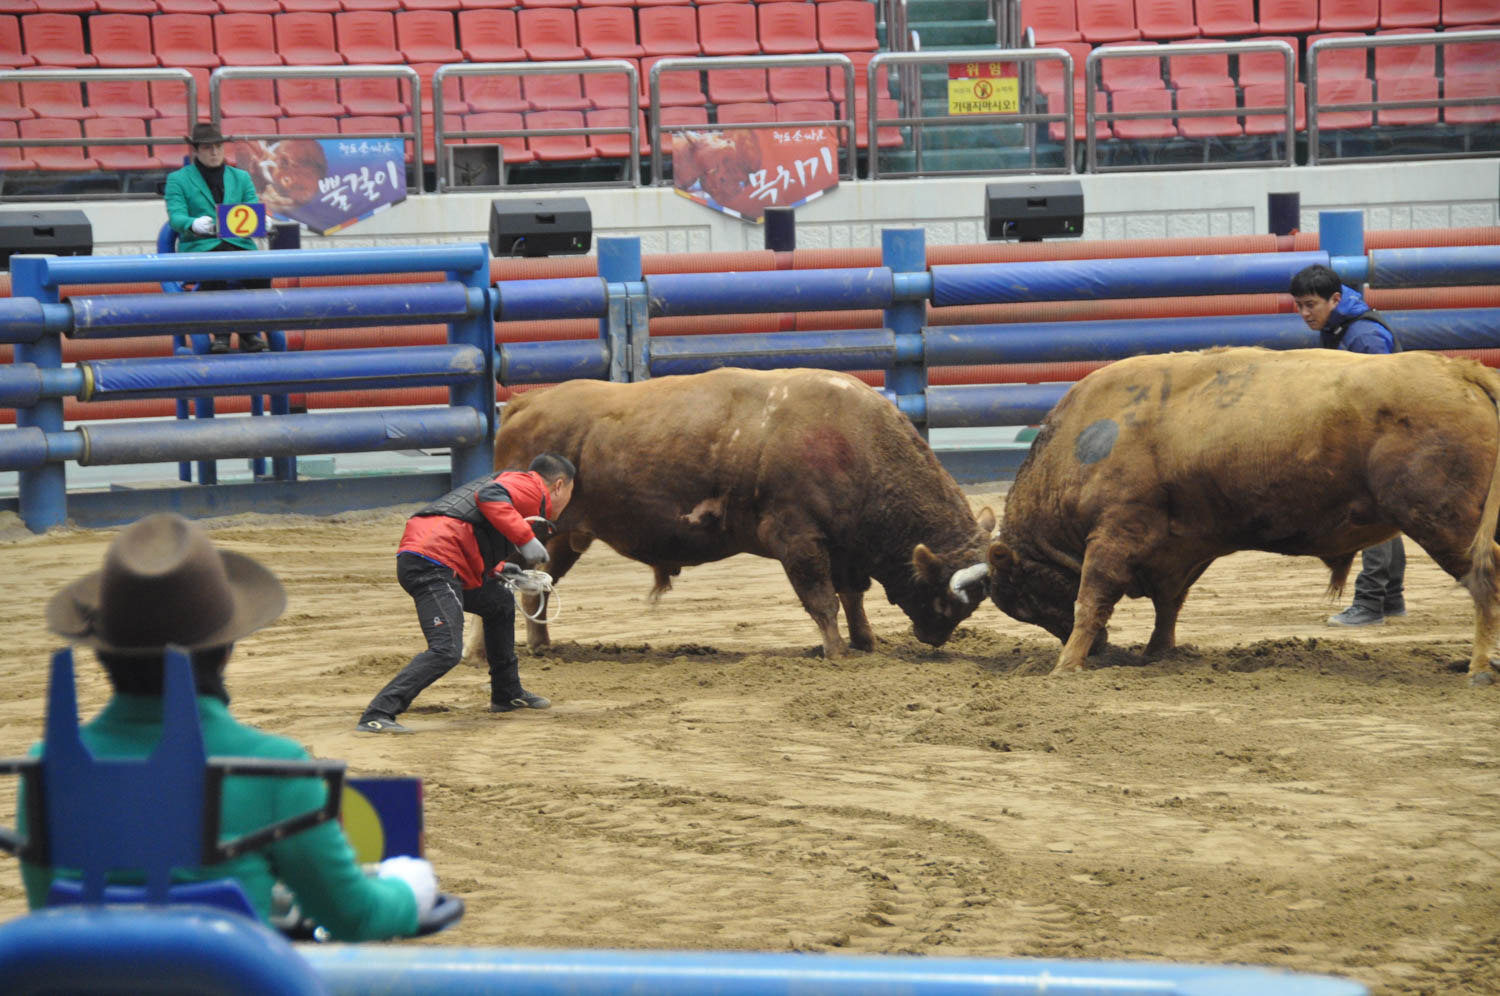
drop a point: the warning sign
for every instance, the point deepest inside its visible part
(983, 88)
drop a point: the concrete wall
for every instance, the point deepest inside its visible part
(1454, 193)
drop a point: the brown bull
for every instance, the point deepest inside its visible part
(808, 467)
(1151, 468)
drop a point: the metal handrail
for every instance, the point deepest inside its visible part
(903, 60)
(846, 124)
(1384, 41)
(440, 133)
(1092, 116)
(104, 75)
(216, 83)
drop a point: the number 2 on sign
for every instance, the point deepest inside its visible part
(242, 220)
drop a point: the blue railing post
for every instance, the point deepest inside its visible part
(43, 491)
(904, 250)
(619, 265)
(1341, 234)
(477, 330)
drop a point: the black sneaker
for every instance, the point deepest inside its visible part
(1357, 615)
(380, 724)
(525, 700)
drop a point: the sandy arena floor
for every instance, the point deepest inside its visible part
(1276, 793)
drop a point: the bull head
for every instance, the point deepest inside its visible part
(1031, 590)
(948, 590)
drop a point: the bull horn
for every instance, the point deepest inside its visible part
(962, 579)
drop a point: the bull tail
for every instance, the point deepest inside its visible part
(1480, 580)
(1338, 574)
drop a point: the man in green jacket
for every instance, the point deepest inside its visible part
(164, 582)
(193, 195)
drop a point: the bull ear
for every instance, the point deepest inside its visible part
(1001, 559)
(986, 520)
(926, 563)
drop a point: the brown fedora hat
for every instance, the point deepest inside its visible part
(163, 581)
(205, 134)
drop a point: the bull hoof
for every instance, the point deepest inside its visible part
(1481, 678)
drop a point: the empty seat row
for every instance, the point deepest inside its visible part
(1129, 20)
(323, 6)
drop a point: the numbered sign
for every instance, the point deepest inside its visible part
(246, 221)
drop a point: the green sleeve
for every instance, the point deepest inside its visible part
(318, 866)
(178, 215)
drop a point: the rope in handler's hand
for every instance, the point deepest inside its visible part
(538, 583)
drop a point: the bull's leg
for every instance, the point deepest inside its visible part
(563, 551)
(1103, 584)
(1164, 633)
(807, 568)
(861, 636)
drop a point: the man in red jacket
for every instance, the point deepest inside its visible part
(445, 562)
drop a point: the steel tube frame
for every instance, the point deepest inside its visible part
(103, 76)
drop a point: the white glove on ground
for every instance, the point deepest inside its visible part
(416, 873)
(204, 225)
(534, 552)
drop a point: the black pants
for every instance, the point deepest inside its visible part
(441, 603)
(249, 283)
(1381, 576)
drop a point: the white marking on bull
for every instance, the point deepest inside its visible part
(708, 508)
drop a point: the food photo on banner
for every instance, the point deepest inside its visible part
(326, 184)
(744, 171)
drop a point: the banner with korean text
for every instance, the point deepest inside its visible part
(326, 184)
(744, 171)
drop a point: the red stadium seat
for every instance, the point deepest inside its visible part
(1273, 95)
(170, 127)
(790, 28)
(375, 5)
(246, 40)
(737, 86)
(805, 111)
(443, 5)
(1208, 98)
(1199, 70)
(453, 100)
(745, 113)
(56, 99)
(1049, 73)
(451, 122)
(1289, 17)
(888, 137)
(55, 40)
(558, 148)
(308, 125)
(65, 6)
(800, 83)
(1348, 15)
(311, 6)
(249, 7)
(1409, 13)
(1344, 91)
(372, 97)
(58, 157)
(367, 37)
(18, 7)
(662, 3)
(11, 55)
(310, 98)
(845, 26)
(1402, 88)
(121, 156)
(1396, 61)
(1458, 13)
(249, 98)
(10, 156)
(489, 35)
(513, 148)
(616, 145)
(1226, 18)
(121, 99)
(121, 41)
(608, 33)
(1143, 128)
(608, 90)
(427, 36)
(494, 94)
(1166, 19)
(729, 29)
(1339, 63)
(1107, 20)
(171, 98)
(1050, 21)
(1469, 85)
(306, 39)
(546, 3)
(1267, 67)
(1469, 58)
(1131, 73)
(1055, 130)
(682, 116)
(188, 6)
(184, 40)
(370, 124)
(147, 7)
(606, 3)
(549, 34)
(679, 87)
(11, 107)
(248, 127)
(555, 92)
(669, 31)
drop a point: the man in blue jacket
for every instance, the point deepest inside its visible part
(1339, 314)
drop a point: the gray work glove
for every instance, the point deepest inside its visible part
(204, 226)
(534, 552)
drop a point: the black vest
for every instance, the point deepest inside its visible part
(463, 503)
(1330, 338)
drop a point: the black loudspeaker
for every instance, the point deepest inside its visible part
(1033, 211)
(556, 226)
(56, 233)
